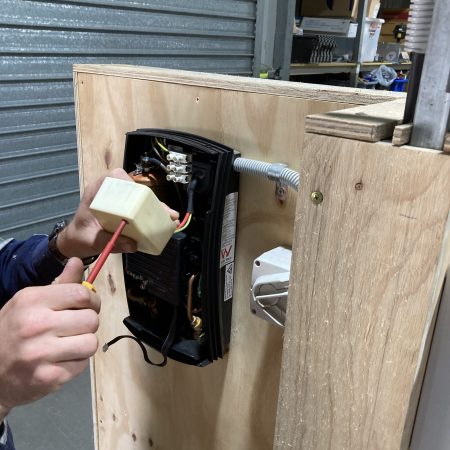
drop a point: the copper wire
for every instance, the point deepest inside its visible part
(189, 296)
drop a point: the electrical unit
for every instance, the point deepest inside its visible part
(180, 301)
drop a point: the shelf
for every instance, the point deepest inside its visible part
(367, 66)
(321, 68)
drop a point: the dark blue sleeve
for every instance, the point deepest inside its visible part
(26, 263)
(6, 437)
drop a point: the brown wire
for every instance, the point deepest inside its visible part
(189, 297)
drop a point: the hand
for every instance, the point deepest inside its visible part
(84, 236)
(47, 337)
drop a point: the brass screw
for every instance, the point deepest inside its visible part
(316, 197)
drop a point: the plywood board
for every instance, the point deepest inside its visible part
(370, 123)
(232, 403)
(368, 266)
(306, 91)
(402, 134)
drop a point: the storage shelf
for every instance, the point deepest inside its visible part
(315, 69)
(367, 66)
(321, 68)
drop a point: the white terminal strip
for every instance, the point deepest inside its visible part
(180, 168)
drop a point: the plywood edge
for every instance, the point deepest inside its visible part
(402, 134)
(82, 187)
(79, 133)
(442, 267)
(239, 83)
(369, 122)
(357, 129)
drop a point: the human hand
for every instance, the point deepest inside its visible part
(84, 236)
(47, 337)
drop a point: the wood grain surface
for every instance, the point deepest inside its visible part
(314, 92)
(370, 123)
(231, 404)
(368, 266)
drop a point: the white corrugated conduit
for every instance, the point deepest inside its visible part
(419, 25)
(274, 172)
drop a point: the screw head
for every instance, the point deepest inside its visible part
(316, 197)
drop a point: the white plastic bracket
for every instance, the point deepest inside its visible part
(270, 283)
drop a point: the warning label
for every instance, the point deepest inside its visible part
(229, 276)
(228, 229)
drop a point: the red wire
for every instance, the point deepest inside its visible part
(106, 252)
(185, 219)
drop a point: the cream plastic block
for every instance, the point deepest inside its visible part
(149, 224)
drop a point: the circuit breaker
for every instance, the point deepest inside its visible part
(180, 301)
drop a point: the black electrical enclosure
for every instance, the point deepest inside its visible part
(180, 302)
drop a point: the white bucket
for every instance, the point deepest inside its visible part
(371, 34)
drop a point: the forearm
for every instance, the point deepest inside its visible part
(26, 263)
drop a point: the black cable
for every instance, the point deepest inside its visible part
(164, 348)
(144, 350)
(190, 192)
(146, 160)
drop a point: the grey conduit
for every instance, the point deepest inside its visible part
(275, 172)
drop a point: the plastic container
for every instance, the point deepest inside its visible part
(371, 34)
(399, 85)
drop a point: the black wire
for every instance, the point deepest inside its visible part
(158, 163)
(144, 350)
(190, 192)
(170, 335)
(164, 348)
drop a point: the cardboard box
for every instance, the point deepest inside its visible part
(324, 25)
(392, 18)
(337, 8)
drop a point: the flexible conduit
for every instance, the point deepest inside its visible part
(417, 31)
(276, 172)
(419, 25)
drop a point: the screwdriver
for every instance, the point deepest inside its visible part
(89, 283)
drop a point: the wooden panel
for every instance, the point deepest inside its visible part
(314, 92)
(368, 265)
(232, 403)
(370, 123)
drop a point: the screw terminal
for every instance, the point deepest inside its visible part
(178, 157)
(184, 179)
(179, 168)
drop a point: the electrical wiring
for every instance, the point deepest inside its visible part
(155, 150)
(190, 206)
(189, 297)
(163, 148)
(188, 221)
(156, 162)
(168, 341)
(185, 219)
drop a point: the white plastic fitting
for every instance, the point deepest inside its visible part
(270, 284)
(149, 223)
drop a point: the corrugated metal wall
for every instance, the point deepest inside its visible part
(39, 42)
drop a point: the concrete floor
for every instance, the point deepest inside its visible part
(60, 421)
